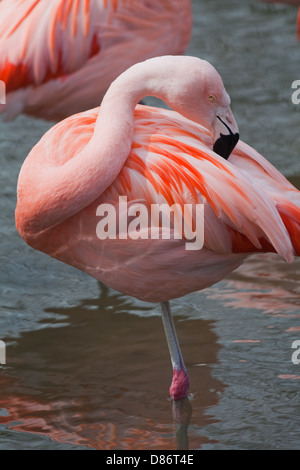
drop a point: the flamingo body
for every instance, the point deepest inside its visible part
(171, 161)
(59, 58)
(153, 156)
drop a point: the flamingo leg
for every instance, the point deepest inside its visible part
(180, 382)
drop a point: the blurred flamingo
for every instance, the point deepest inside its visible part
(289, 2)
(155, 156)
(58, 58)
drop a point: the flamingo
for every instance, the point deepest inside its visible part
(185, 155)
(58, 58)
(289, 2)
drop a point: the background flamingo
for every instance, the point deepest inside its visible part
(155, 155)
(58, 58)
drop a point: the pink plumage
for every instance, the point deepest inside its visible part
(156, 156)
(59, 57)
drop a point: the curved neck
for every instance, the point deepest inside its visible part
(110, 146)
(83, 178)
(114, 127)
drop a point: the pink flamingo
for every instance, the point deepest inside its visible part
(59, 57)
(156, 156)
(289, 2)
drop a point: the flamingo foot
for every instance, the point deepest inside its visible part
(180, 384)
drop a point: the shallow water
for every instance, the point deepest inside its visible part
(88, 368)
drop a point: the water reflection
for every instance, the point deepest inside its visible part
(182, 413)
(263, 282)
(101, 380)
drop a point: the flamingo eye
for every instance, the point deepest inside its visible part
(212, 98)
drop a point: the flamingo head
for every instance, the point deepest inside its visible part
(193, 88)
(213, 109)
(199, 94)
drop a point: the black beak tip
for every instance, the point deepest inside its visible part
(225, 144)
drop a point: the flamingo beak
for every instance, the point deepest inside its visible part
(225, 142)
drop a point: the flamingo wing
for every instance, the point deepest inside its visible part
(44, 40)
(274, 185)
(172, 162)
(245, 198)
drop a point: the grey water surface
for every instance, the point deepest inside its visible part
(88, 368)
